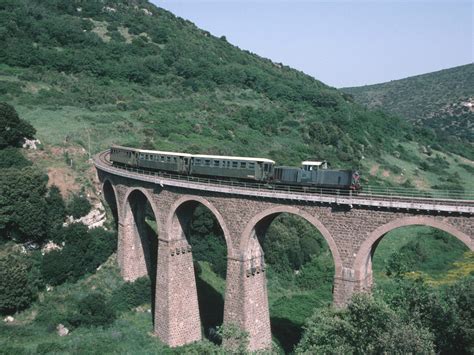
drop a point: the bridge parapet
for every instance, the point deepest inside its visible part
(396, 198)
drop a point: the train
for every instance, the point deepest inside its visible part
(312, 173)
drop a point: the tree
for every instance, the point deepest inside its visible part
(12, 158)
(92, 310)
(16, 289)
(22, 204)
(83, 252)
(367, 326)
(56, 210)
(78, 206)
(12, 128)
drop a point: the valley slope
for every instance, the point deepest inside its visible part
(130, 73)
(442, 100)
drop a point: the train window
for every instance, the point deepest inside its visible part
(175, 159)
(168, 159)
(216, 163)
(186, 161)
(243, 165)
(251, 165)
(234, 164)
(207, 162)
(142, 156)
(162, 158)
(228, 164)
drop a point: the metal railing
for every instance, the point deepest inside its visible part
(368, 192)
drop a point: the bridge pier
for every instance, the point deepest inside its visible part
(246, 302)
(348, 283)
(177, 320)
(130, 252)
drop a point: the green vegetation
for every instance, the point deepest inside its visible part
(78, 206)
(109, 72)
(18, 287)
(158, 81)
(437, 102)
(12, 128)
(83, 252)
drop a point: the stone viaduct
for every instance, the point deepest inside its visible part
(352, 227)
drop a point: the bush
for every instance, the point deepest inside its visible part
(12, 158)
(78, 206)
(366, 326)
(83, 252)
(12, 128)
(320, 270)
(17, 291)
(92, 311)
(50, 347)
(56, 211)
(131, 294)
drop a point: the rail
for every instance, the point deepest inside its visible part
(450, 201)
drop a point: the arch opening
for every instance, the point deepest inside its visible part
(200, 225)
(412, 248)
(300, 268)
(140, 239)
(111, 202)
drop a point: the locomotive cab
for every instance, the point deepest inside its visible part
(310, 165)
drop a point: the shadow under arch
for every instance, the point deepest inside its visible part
(110, 197)
(187, 204)
(261, 221)
(363, 261)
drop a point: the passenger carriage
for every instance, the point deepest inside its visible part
(259, 169)
(151, 159)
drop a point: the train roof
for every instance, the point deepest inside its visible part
(224, 157)
(145, 151)
(313, 162)
(203, 156)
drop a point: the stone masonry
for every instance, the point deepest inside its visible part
(351, 233)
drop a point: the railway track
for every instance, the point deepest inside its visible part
(398, 198)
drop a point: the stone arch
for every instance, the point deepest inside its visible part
(247, 245)
(110, 196)
(148, 196)
(172, 219)
(138, 242)
(363, 260)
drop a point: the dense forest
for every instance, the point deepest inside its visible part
(83, 75)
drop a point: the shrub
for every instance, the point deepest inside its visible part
(83, 252)
(92, 311)
(12, 128)
(78, 206)
(131, 294)
(56, 211)
(50, 347)
(17, 291)
(366, 326)
(12, 158)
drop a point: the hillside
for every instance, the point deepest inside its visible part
(442, 100)
(86, 74)
(127, 72)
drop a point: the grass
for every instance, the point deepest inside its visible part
(445, 260)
